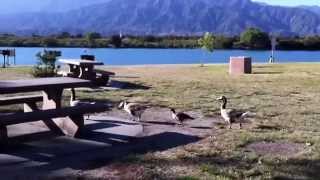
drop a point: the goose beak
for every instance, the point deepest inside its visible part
(219, 99)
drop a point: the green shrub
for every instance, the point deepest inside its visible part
(254, 38)
(46, 64)
(40, 71)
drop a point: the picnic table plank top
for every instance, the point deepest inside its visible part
(79, 62)
(39, 84)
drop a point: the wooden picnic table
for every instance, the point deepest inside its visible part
(80, 68)
(52, 89)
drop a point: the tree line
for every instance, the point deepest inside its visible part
(251, 39)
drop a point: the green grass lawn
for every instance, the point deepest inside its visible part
(285, 97)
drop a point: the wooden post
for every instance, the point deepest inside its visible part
(4, 61)
(8, 60)
(14, 56)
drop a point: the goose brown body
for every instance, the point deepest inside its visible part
(134, 109)
(231, 115)
(180, 116)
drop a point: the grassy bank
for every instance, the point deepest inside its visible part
(284, 96)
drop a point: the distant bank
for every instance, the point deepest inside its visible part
(251, 39)
(141, 56)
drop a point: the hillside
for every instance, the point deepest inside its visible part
(27, 6)
(315, 9)
(167, 17)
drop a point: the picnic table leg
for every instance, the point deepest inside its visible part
(74, 125)
(52, 99)
(86, 72)
(71, 126)
(75, 70)
(3, 134)
(29, 107)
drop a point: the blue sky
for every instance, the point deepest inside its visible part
(291, 2)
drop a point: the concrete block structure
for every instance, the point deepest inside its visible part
(240, 65)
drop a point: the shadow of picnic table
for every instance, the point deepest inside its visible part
(128, 85)
(40, 155)
(43, 154)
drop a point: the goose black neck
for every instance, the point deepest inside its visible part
(224, 104)
(73, 94)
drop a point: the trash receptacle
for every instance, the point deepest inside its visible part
(240, 65)
(87, 57)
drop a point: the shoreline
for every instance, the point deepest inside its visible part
(176, 65)
(153, 48)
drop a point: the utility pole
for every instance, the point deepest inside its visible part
(4, 61)
(273, 48)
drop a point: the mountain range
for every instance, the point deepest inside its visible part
(315, 9)
(28, 6)
(160, 17)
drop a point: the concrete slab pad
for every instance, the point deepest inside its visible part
(110, 135)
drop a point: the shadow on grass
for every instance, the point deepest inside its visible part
(126, 77)
(128, 85)
(269, 127)
(260, 67)
(268, 72)
(40, 154)
(161, 123)
(97, 149)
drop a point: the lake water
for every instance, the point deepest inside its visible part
(26, 56)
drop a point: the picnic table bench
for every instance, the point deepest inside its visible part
(72, 123)
(103, 76)
(20, 99)
(84, 69)
(66, 120)
(29, 101)
(81, 68)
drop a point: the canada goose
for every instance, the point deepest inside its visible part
(231, 115)
(180, 116)
(134, 109)
(74, 102)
